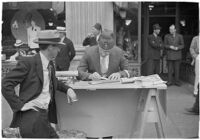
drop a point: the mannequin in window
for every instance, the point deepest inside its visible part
(32, 35)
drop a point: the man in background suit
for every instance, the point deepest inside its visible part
(35, 108)
(103, 60)
(174, 44)
(155, 45)
(92, 38)
(66, 53)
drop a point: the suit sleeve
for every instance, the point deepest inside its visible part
(61, 86)
(83, 68)
(124, 66)
(192, 48)
(86, 41)
(152, 43)
(166, 44)
(181, 43)
(12, 79)
(72, 50)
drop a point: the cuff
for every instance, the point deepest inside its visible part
(128, 75)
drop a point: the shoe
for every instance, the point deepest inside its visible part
(169, 83)
(178, 84)
(191, 111)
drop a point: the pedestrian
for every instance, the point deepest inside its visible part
(35, 107)
(155, 45)
(66, 53)
(194, 51)
(173, 44)
(92, 38)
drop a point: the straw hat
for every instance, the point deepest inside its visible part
(48, 37)
(18, 43)
(61, 29)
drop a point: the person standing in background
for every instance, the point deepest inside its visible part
(194, 51)
(32, 35)
(174, 44)
(155, 45)
(93, 37)
(66, 53)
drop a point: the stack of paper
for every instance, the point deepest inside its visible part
(144, 80)
(66, 73)
(102, 82)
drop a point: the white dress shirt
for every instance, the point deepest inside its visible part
(42, 101)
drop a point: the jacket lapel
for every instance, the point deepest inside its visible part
(110, 64)
(39, 67)
(97, 59)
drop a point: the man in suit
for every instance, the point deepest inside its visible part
(174, 44)
(66, 53)
(35, 108)
(92, 38)
(103, 60)
(32, 35)
(155, 45)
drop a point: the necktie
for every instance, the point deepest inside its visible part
(104, 66)
(51, 72)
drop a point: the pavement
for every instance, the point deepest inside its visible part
(181, 124)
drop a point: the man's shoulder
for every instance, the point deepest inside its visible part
(167, 35)
(91, 49)
(196, 37)
(28, 59)
(67, 40)
(117, 50)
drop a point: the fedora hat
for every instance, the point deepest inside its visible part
(48, 37)
(61, 29)
(156, 26)
(18, 43)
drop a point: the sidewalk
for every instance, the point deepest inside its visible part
(179, 98)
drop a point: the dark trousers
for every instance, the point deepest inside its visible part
(173, 67)
(153, 66)
(33, 124)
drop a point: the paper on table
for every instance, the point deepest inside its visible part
(66, 73)
(102, 82)
(145, 80)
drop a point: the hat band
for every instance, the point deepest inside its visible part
(49, 39)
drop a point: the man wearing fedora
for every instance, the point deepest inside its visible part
(155, 46)
(67, 51)
(35, 108)
(103, 60)
(92, 38)
(173, 44)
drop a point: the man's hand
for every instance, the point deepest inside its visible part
(71, 95)
(28, 106)
(95, 76)
(114, 76)
(172, 47)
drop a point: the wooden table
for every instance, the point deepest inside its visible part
(112, 109)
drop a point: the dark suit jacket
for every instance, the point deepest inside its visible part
(29, 74)
(177, 42)
(65, 55)
(90, 63)
(155, 45)
(91, 41)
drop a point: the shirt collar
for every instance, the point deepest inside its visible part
(45, 61)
